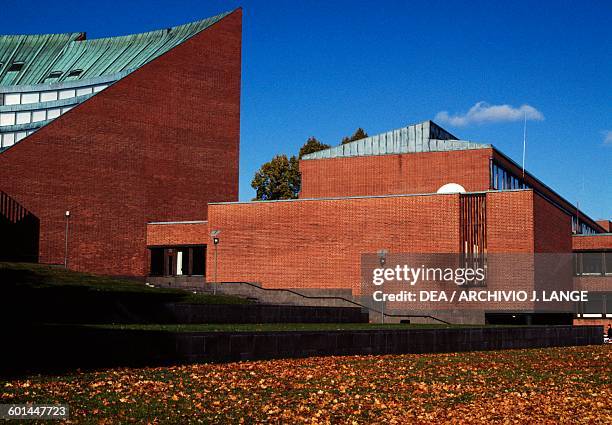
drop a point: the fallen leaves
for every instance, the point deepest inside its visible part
(554, 385)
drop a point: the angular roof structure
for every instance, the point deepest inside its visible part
(52, 58)
(423, 137)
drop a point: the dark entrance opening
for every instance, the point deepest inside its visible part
(178, 261)
(19, 230)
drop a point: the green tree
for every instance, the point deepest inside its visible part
(358, 135)
(280, 178)
(312, 145)
(277, 179)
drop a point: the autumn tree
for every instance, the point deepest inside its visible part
(358, 135)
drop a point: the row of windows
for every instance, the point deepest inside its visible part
(502, 179)
(578, 226)
(9, 139)
(593, 263)
(26, 117)
(47, 96)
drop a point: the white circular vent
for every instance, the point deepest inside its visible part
(451, 188)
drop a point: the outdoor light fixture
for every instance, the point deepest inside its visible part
(215, 237)
(382, 258)
(67, 215)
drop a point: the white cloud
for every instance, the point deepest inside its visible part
(607, 134)
(482, 113)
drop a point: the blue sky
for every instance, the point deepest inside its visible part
(324, 68)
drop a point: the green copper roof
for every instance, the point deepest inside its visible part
(423, 137)
(52, 58)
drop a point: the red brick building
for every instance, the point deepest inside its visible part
(386, 192)
(134, 129)
(137, 138)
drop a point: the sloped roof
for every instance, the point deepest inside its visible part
(41, 55)
(423, 137)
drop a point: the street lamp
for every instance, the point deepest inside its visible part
(215, 237)
(382, 259)
(67, 215)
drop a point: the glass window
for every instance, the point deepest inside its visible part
(20, 135)
(84, 91)
(592, 262)
(39, 116)
(29, 98)
(53, 113)
(608, 257)
(7, 118)
(48, 96)
(8, 139)
(66, 109)
(66, 94)
(23, 118)
(100, 88)
(12, 98)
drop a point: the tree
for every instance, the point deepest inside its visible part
(277, 179)
(280, 178)
(358, 135)
(312, 145)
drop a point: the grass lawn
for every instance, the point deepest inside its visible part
(553, 385)
(28, 278)
(275, 327)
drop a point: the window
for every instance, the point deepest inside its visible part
(23, 118)
(7, 118)
(99, 88)
(53, 113)
(39, 116)
(590, 263)
(20, 135)
(74, 74)
(83, 91)
(53, 77)
(8, 139)
(66, 94)
(608, 265)
(29, 98)
(12, 99)
(48, 96)
(66, 109)
(15, 67)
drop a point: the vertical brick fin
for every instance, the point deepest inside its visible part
(19, 229)
(157, 145)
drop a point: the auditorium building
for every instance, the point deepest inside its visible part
(119, 156)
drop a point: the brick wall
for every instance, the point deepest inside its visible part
(157, 145)
(318, 243)
(164, 234)
(552, 227)
(510, 221)
(395, 174)
(594, 242)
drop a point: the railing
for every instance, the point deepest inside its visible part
(317, 297)
(11, 209)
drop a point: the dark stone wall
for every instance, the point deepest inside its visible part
(68, 348)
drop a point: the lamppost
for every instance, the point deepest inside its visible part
(382, 258)
(67, 215)
(215, 237)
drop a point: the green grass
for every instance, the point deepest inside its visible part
(38, 294)
(274, 327)
(30, 277)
